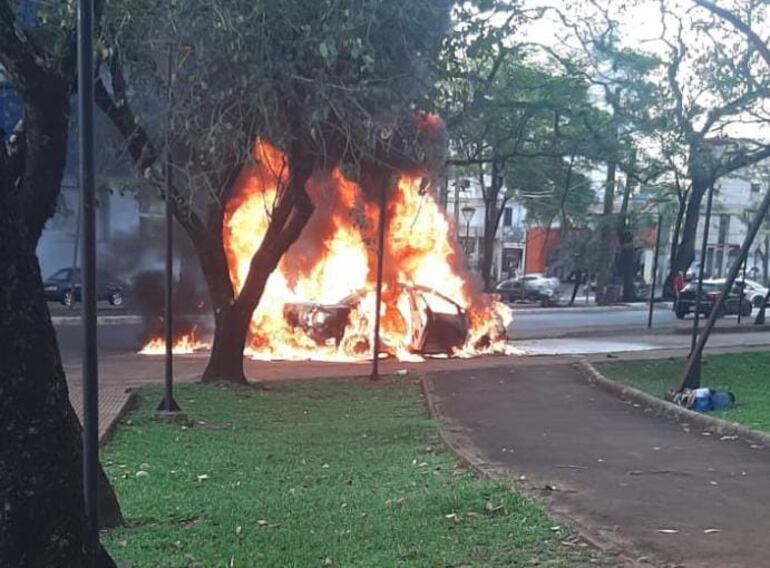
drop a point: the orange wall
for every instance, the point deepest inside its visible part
(539, 241)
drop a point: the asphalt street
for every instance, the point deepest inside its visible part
(534, 332)
(559, 318)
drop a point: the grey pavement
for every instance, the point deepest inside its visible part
(661, 493)
(629, 343)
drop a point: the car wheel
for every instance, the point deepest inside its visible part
(67, 298)
(681, 312)
(757, 301)
(116, 298)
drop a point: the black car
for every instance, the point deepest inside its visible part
(529, 288)
(65, 286)
(712, 292)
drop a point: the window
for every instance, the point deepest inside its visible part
(754, 187)
(62, 275)
(508, 217)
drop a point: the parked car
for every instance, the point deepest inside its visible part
(530, 288)
(65, 286)
(755, 293)
(712, 292)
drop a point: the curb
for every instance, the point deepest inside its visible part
(466, 457)
(102, 320)
(561, 333)
(670, 410)
(577, 309)
(745, 328)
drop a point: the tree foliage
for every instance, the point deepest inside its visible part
(330, 84)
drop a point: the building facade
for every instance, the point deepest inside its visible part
(465, 205)
(736, 200)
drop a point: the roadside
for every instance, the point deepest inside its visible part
(659, 491)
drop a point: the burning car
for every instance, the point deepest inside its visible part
(434, 324)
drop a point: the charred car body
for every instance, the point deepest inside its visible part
(437, 324)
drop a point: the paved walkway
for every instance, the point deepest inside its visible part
(663, 495)
(120, 374)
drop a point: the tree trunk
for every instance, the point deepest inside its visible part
(41, 465)
(226, 359)
(606, 242)
(492, 215)
(233, 314)
(488, 247)
(45, 129)
(578, 280)
(686, 249)
(627, 265)
(668, 283)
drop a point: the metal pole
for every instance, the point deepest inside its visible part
(655, 269)
(752, 233)
(467, 239)
(378, 290)
(168, 405)
(88, 215)
(743, 288)
(693, 380)
(75, 254)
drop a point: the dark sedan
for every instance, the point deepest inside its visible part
(711, 293)
(65, 286)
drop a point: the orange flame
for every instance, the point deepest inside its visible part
(184, 344)
(335, 258)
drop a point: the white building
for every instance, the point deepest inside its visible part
(465, 205)
(736, 200)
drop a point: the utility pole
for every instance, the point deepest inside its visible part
(85, 57)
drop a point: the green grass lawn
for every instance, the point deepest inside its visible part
(747, 375)
(329, 473)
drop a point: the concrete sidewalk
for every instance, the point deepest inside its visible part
(658, 492)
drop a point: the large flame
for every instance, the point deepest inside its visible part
(184, 344)
(335, 258)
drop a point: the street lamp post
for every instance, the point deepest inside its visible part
(85, 64)
(168, 408)
(468, 213)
